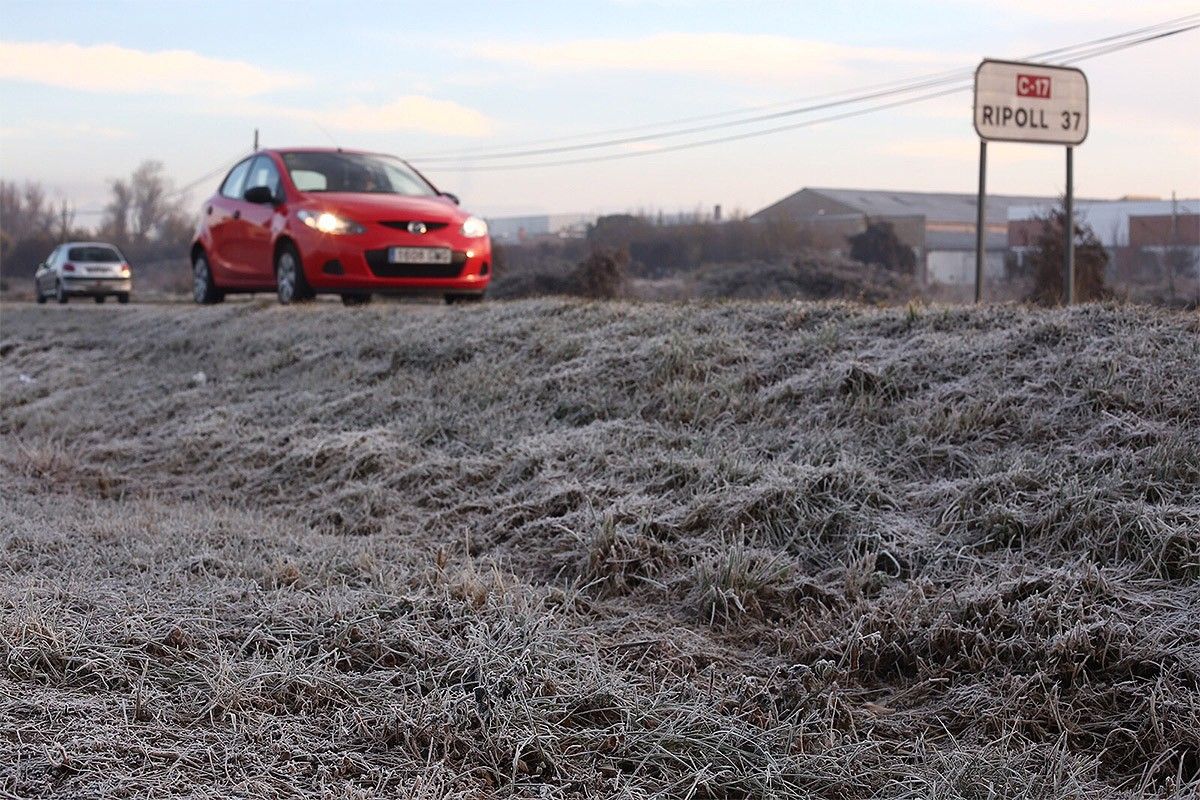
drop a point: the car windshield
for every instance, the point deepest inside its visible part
(93, 254)
(354, 172)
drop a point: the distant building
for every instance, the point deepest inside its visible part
(517, 230)
(939, 227)
(535, 227)
(1137, 233)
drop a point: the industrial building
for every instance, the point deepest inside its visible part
(938, 226)
(1140, 235)
(519, 230)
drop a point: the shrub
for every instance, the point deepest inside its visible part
(602, 275)
(880, 245)
(812, 276)
(1047, 260)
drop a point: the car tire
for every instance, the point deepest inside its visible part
(290, 284)
(204, 290)
(355, 299)
(37, 291)
(99, 299)
(123, 298)
(60, 292)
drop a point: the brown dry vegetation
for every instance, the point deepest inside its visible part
(555, 549)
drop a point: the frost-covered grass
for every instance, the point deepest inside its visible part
(557, 549)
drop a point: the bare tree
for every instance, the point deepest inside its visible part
(38, 213)
(150, 204)
(140, 206)
(24, 211)
(115, 224)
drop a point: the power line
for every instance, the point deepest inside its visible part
(719, 140)
(1074, 58)
(854, 100)
(174, 193)
(187, 187)
(468, 153)
(862, 98)
(902, 88)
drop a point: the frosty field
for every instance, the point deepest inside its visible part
(555, 549)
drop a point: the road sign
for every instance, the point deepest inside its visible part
(1018, 102)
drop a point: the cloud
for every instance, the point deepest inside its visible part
(407, 113)
(1088, 11)
(960, 150)
(754, 58)
(110, 68)
(70, 130)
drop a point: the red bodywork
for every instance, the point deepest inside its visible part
(241, 240)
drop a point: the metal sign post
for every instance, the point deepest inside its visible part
(1069, 228)
(1036, 103)
(980, 221)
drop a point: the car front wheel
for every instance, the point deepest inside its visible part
(290, 284)
(37, 291)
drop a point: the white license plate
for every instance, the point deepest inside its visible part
(418, 255)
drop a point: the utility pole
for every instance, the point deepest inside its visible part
(1172, 252)
(65, 215)
(256, 140)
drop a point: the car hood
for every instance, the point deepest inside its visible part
(381, 207)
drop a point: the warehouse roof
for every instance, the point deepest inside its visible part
(933, 206)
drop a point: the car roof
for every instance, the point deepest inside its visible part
(347, 150)
(90, 244)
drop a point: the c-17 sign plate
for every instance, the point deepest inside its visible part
(1016, 102)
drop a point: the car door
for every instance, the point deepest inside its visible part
(44, 277)
(255, 249)
(223, 215)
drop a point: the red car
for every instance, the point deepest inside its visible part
(301, 222)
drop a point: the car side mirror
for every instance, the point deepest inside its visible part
(453, 198)
(259, 194)
(41, 266)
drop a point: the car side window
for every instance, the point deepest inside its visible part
(263, 173)
(235, 183)
(49, 262)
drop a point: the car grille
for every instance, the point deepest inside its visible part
(402, 224)
(377, 260)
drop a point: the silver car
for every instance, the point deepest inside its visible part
(87, 269)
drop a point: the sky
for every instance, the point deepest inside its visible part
(90, 90)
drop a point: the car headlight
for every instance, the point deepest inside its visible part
(474, 228)
(325, 222)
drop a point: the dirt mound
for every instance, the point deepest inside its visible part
(557, 549)
(811, 277)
